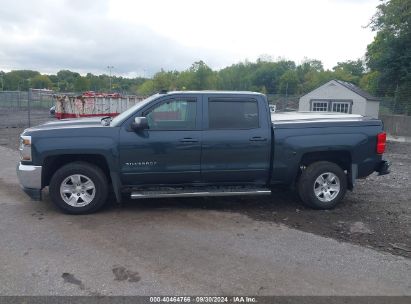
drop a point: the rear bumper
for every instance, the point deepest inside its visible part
(383, 167)
(30, 180)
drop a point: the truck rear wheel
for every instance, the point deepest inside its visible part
(322, 185)
(78, 188)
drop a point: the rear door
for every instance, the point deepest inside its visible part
(236, 140)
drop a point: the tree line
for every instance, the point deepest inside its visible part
(66, 81)
(384, 71)
(265, 75)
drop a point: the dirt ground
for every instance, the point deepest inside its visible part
(376, 214)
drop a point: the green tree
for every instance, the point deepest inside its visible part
(12, 80)
(81, 84)
(18, 79)
(165, 80)
(202, 77)
(67, 75)
(41, 82)
(353, 67)
(390, 52)
(311, 74)
(94, 82)
(351, 70)
(236, 76)
(370, 82)
(289, 83)
(66, 80)
(146, 88)
(344, 75)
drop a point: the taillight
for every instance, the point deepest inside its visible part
(381, 142)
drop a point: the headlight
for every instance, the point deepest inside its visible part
(25, 148)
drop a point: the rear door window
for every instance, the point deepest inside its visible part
(232, 114)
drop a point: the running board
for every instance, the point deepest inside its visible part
(163, 194)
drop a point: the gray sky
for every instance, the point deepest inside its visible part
(141, 37)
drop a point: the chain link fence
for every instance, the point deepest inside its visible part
(20, 109)
(395, 106)
(284, 103)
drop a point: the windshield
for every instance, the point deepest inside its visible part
(118, 120)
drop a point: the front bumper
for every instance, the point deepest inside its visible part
(30, 180)
(383, 167)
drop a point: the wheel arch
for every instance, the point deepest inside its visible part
(342, 158)
(54, 162)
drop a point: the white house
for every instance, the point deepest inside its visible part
(340, 96)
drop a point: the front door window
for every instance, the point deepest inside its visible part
(173, 114)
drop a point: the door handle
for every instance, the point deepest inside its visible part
(258, 138)
(188, 140)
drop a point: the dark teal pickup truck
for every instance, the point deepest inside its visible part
(206, 143)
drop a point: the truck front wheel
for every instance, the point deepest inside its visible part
(322, 185)
(78, 188)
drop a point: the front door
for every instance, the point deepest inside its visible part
(169, 151)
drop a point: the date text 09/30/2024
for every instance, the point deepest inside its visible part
(203, 299)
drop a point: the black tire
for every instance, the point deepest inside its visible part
(307, 182)
(90, 171)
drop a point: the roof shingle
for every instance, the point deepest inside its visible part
(358, 90)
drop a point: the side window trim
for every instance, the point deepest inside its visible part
(230, 99)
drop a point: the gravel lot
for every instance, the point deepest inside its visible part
(376, 214)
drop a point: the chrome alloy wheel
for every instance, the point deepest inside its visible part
(327, 186)
(77, 190)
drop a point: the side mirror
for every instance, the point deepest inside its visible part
(140, 123)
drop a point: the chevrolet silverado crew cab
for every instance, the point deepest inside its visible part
(206, 143)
